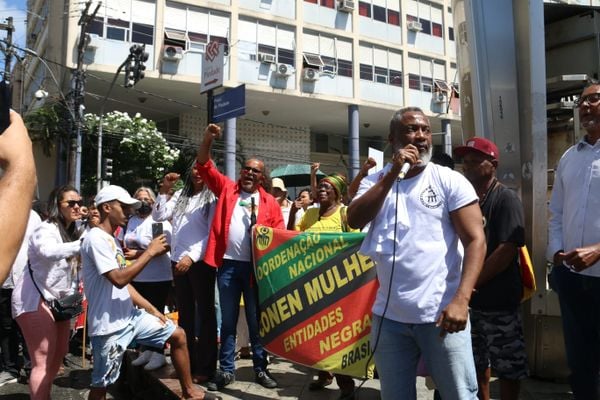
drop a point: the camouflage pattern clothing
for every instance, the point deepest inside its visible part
(498, 343)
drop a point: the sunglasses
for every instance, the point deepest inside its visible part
(73, 203)
(592, 99)
(255, 170)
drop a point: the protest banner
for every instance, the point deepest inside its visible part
(315, 296)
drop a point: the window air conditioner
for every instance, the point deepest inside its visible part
(439, 98)
(310, 74)
(172, 53)
(92, 41)
(284, 70)
(346, 5)
(266, 58)
(414, 26)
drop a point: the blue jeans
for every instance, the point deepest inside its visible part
(236, 278)
(448, 359)
(579, 297)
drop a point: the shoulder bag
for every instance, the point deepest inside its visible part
(62, 309)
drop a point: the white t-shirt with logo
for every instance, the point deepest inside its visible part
(427, 263)
(238, 242)
(109, 308)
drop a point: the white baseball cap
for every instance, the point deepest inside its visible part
(278, 183)
(114, 192)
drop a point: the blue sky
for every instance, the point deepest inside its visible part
(17, 10)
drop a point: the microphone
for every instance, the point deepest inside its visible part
(253, 212)
(403, 171)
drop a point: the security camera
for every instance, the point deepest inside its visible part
(41, 94)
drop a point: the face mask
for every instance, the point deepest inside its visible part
(144, 209)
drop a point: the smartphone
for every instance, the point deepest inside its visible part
(157, 229)
(5, 104)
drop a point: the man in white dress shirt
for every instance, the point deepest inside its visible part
(574, 247)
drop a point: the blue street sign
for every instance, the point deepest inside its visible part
(229, 104)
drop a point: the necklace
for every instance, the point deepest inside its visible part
(488, 191)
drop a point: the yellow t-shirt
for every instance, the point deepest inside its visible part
(311, 222)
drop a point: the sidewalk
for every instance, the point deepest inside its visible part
(293, 381)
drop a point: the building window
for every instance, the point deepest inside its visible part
(197, 42)
(117, 29)
(328, 3)
(426, 24)
(175, 38)
(364, 9)
(141, 33)
(366, 72)
(285, 56)
(345, 68)
(329, 64)
(393, 17)
(450, 33)
(312, 1)
(97, 27)
(436, 29)
(414, 81)
(395, 77)
(379, 13)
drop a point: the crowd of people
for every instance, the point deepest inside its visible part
(445, 244)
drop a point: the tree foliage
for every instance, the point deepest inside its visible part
(140, 153)
(47, 124)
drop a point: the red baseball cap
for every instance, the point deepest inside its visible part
(480, 145)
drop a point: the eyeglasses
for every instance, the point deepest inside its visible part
(592, 99)
(73, 203)
(248, 169)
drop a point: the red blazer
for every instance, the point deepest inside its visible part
(228, 193)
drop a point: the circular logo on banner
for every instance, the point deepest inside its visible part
(264, 237)
(430, 199)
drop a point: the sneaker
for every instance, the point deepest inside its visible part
(142, 358)
(265, 379)
(7, 377)
(157, 360)
(220, 380)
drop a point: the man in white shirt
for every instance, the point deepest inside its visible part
(421, 308)
(574, 247)
(113, 321)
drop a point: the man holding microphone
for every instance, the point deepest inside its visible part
(418, 213)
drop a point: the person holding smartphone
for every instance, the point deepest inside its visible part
(154, 281)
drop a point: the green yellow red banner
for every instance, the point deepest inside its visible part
(315, 296)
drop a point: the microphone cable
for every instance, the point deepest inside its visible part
(387, 300)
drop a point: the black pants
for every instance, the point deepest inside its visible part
(195, 296)
(156, 293)
(9, 334)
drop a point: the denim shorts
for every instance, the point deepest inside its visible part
(108, 349)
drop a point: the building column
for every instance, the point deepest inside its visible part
(447, 138)
(230, 137)
(353, 134)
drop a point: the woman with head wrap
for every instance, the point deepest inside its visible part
(329, 217)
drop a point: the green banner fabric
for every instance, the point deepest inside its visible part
(315, 297)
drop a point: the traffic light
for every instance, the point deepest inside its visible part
(134, 70)
(130, 72)
(107, 170)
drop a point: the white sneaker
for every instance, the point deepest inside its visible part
(156, 361)
(142, 358)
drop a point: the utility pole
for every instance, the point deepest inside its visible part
(9, 28)
(76, 97)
